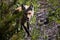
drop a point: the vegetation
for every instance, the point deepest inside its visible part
(9, 24)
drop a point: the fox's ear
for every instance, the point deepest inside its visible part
(22, 5)
(31, 6)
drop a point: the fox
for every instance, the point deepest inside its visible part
(28, 12)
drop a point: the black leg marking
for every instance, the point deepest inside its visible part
(21, 27)
(28, 25)
(26, 30)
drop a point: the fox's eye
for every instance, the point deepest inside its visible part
(29, 13)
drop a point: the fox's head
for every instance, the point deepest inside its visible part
(28, 10)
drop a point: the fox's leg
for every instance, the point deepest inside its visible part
(28, 25)
(21, 27)
(27, 31)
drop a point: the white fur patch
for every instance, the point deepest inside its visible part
(30, 14)
(26, 7)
